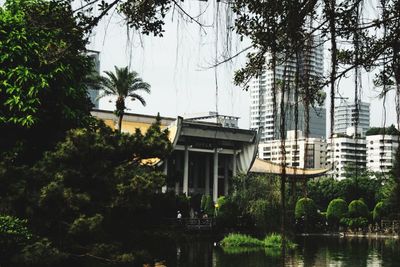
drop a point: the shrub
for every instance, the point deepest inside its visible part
(41, 253)
(337, 209)
(306, 209)
(239, 240)
(226, 212)
(275, 241)
(207, 205)
(14, 234)
(270, 241)
(265, 215)
(357, 208)
(354, 223)
(378, 212)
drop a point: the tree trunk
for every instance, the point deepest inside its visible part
(119, 110)
(120, 122)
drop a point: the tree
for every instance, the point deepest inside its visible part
(91, 190)
(357, 208)
(257, 199)
(123, 84)
(306, 213)
(337, 209)
(378, 212)
(42, 69)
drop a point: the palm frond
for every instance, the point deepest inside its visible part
(138, 97)
(103, 94)
(142, 86)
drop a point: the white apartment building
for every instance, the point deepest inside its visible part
(261, 97)
(346, 116)
(381, 152)
(305, 153)
(346, 153)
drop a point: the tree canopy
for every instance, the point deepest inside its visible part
(378, 130)
(42, 70)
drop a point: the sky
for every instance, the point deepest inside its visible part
(177, 66)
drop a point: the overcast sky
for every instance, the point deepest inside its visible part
(175, 66)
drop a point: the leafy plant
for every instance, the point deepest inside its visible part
(378, 212)
(357, 208)
(14, 235)
(337, 209)
(354, 223)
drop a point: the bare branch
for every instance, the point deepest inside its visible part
(85, 6)
(230, 58)
(188, 15)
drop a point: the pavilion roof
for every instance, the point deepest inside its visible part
(263, 166)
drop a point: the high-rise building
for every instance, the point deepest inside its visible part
(261, 95)
(346, 153)
(381, 152)
(346, 116)
(93, 94)
(305, 153)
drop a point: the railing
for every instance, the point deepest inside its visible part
(391, 226)
(203, 224)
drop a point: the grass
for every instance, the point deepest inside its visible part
(239, 240)
(238, 243)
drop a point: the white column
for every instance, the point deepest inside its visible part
(186, 172)
(178, 167)
(234, 164)
(196, 174)
(215, 176)
(177, 185)
(226, 176)
(165, 166)
(207, 176)
(164, 188)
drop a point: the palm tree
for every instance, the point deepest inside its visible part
(123, 84)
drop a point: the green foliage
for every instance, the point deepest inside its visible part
(208, 205)
(14, 235)
(239, 243)
(391, 130)
(378, 212)
(226, 213)
(258, 200)
(123, 84)
(323, 190)
(337, 209)
(275, 241)
(305, 209)
(357, 208)
(366, 185)
(41, 253)
(91, 189)
(306, 215)
(42, 73)
(354, 223)
(13, 227)
(239, 240)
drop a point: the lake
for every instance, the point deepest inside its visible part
(311, 251)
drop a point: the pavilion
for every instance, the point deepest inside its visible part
(205, 155)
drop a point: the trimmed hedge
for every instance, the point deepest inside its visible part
(378, 212)
(357, 208)
(337, 209)
(306, 209)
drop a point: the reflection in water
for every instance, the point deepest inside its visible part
(311, 251)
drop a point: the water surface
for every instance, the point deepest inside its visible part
(311, 251)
